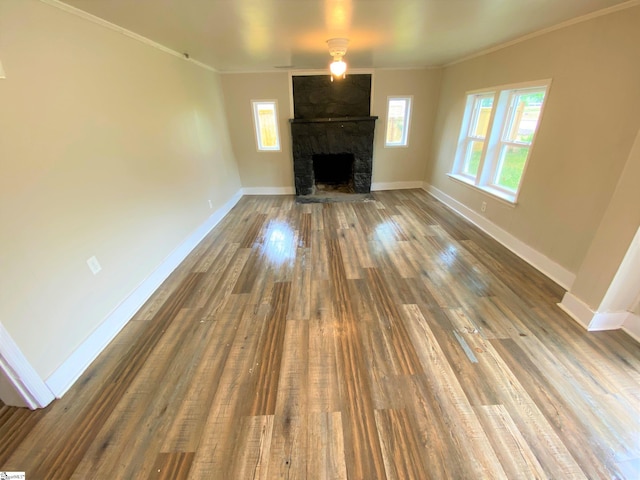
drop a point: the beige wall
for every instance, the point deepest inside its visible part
(275, 169)
(259, 169)
(404, 164)
(611, 243)
(590, 121)
(108, 147)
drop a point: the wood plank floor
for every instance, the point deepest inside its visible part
(385, 339)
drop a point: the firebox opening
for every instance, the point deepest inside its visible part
(333, 171)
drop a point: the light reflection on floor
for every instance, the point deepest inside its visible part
(449, 256)
(386, 231)
(385, 237)
(279, 243)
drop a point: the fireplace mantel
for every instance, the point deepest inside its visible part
(336, 120)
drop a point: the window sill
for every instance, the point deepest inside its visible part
(268, 150)
(395, 145)
(503, 197)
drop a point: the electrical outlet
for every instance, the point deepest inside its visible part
(94, 265)
(483, 208)
(210, 204)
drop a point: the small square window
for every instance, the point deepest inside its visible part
(265, 122)
(398, 117)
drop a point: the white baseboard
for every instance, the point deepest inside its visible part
(608, 321)
(597, 321)
(23, 386)
(268, 191)
(544, 264)
(67, 374)
(577, 309)
(395, 185)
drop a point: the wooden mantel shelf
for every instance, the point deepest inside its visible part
(328, 120)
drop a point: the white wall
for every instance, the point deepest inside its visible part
(109, 147)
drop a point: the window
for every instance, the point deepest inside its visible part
(398, 115)
(498, 130)
(265, 122)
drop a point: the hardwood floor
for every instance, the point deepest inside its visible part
(387, 339)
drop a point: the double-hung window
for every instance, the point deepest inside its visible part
(265, 123)
(498, 130)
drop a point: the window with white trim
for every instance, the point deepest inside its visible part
(265, 123)
(398, 119)
(498, 130)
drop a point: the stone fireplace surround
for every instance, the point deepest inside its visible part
(328, 136)
(332, 119)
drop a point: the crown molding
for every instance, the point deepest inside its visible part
(128, 33)
(544, 31)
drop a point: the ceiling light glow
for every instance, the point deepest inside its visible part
(338, 49)
(338, 68)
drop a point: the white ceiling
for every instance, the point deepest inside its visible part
(257, 35)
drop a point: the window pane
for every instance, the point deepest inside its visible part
(524, 117)
(472, 158)
(397, 122)
(481, 115)
(511, 166)
(267, 126)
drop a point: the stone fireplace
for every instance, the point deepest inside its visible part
(332, 133)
